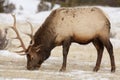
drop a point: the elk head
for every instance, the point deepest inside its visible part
(32, 53)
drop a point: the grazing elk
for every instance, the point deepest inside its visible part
(64, 26)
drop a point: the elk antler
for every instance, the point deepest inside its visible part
(30, 35)
(18, 36)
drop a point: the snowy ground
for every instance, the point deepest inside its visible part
(81, 59)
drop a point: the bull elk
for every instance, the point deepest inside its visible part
(64, 26)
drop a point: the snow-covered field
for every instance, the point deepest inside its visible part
(81, 59)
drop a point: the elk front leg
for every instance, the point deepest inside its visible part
(66, 45)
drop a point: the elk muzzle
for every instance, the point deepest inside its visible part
(33, 67)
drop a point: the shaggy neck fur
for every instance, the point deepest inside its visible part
(44, 38)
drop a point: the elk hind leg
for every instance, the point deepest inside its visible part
(99, 47)
(109, 48)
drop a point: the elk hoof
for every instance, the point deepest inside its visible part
(113, 69)
(62, 70)
(96, 69)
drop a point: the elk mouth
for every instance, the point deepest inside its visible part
(33, 67)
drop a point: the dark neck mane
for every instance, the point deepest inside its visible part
(45, 37)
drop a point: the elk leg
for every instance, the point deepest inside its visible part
(109, 48)
(66, 45)
(99, 46)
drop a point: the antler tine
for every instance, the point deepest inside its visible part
(31, 35)
(17, 33)
(20, 52)
(31, 27)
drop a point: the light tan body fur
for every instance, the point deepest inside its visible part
(83, 24)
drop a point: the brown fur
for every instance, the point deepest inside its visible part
(66, 25)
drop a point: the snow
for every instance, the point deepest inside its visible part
(14, 79)
(25, 6)
(5, 53)
(26, 10)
